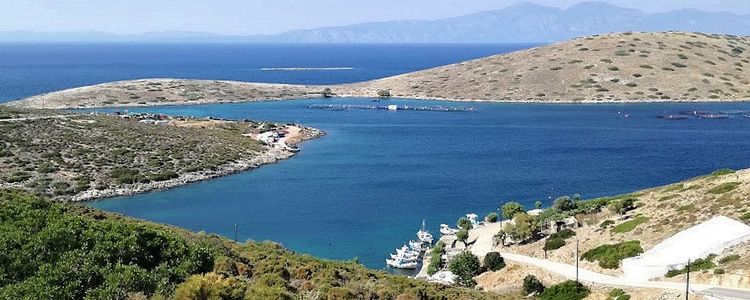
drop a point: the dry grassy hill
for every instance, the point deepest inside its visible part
(616, 67)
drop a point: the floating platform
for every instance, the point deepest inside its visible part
(673, 117)
(390, 107)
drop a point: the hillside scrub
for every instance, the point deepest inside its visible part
(57, 251)
(67, 156)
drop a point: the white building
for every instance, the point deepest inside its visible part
(710, 237)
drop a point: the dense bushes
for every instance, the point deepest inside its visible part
(79, 256)
(723, 188)
(532, 285)
(610, 255)
(56, 251)
(493, 261)
(568, 290)
(436, 261)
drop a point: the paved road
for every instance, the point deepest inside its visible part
(569, 271)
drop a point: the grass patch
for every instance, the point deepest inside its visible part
(610, 255)
(697, 265)
(723, 188)
(729, 258)
(673, 188)
(629, 225)
(722, 172)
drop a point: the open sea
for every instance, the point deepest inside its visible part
(363, 189)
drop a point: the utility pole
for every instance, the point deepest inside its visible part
(235, 232)
(577, 260)
(687, 282)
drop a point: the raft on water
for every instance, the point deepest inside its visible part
(437, 108)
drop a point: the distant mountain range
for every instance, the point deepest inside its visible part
(524, 22)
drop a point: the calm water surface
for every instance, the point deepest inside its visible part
(364, 188)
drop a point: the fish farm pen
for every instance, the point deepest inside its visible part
(390, 107)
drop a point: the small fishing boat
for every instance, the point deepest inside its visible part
(405, 251)
(405, 257)
(423, 235)
(399, 263)
(418, 246)
(447, 230)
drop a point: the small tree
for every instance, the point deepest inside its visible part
(532, 285)
(491, 217)
(563, 204)
(465, 266)
(538, 205)
(462, 235)
(512, 208)
(384, 93)
(327, 93)
(493, 261)
(524, 228)
(464, 223)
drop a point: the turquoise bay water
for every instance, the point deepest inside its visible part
(363, 189)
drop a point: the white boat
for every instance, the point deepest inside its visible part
(418, 246)
(405, 251)
(447, 230)
(407, 257)
(401, 264)
(423, 235)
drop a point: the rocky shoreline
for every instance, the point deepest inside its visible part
(270, 155)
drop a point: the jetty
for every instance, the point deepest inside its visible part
(392, 107)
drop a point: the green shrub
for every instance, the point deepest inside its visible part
(510, 209)
(163, 176)
(606, 223)
(465, 266)
(568, 290)
(719, 271)
(610, 255)
(532, 285)
(563, 234)
(697, 265)
(491, 217)
(729, 258)
(618, 294)
(629, 225)
(464, 223)
(493, 261)
(553, 244)
(126, 176)
(723, 188)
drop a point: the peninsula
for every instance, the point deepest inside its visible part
(78, 157)
(618, 67)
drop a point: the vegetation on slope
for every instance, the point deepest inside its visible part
(614, 67)
(72, 154)
(56, 251)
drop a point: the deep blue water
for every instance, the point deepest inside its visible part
(364, 188)
(27, 70)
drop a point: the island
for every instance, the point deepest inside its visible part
(618, 67)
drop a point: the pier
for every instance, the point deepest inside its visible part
(391, 107)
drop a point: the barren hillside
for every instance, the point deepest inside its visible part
(620, 67)
(617, 67)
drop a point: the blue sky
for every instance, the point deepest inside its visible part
(270, 16)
